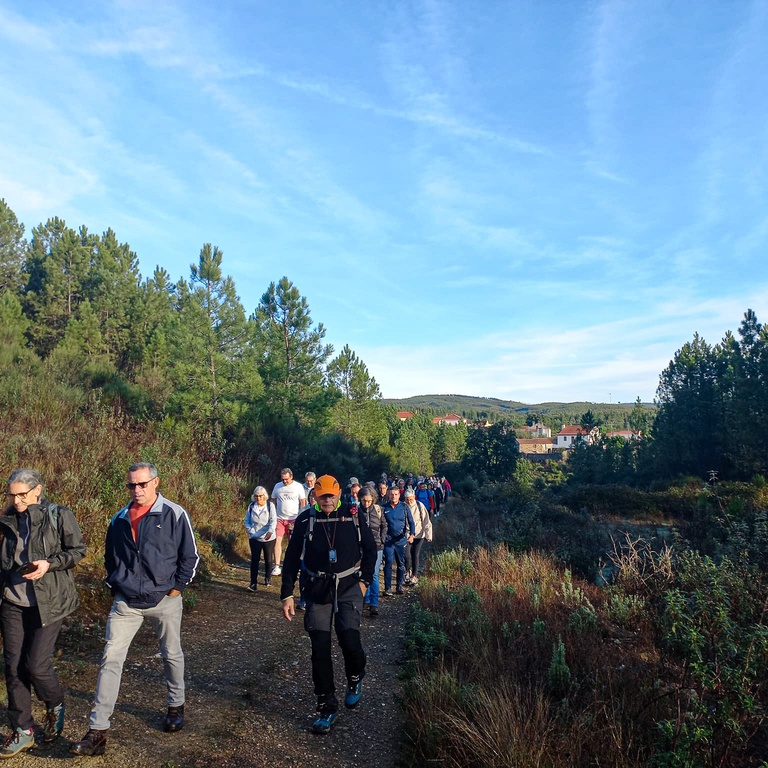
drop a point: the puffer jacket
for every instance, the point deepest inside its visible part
(374, 516)
(422, 521)
(61, 545)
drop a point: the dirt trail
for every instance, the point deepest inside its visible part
(249, 691)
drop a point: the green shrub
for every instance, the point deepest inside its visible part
(425, 636)
(559, 673)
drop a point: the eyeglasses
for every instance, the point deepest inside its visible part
(20, 496)
(133, 486)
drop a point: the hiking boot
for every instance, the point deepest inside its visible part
(301, 605)
(324, 722)
(174, 720)
(17, 741)
(374, 611)
(399, 591)
(267, 582)
(327, 706)
(252, 587)
(93, 743)
(387, 593)
(54, 723)
(354, 693)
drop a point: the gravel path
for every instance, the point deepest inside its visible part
(249, 691)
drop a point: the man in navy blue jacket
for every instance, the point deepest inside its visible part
(400, 531)
(150, 556)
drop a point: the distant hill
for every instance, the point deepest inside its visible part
(493, 408)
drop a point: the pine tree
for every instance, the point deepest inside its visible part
(58, 266)
(688, 428)
(114, 290)
(413, 444)
(294, 355)
(214, 367)
(357, 414)
(13, 249)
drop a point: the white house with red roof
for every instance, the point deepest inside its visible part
(627, 434)
(450, 419)
(404, 415)
(570, 433)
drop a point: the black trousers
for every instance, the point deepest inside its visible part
(317, 621)
(257, 547)
(28, 651)
(416, 546)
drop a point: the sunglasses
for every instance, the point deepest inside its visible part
(133, 486)
(20, 496)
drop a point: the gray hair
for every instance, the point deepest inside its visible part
(286, 471)
(310, 474)
(144, 465)
(409, 493)
(366, 493)
(30, 477)
(257, 490)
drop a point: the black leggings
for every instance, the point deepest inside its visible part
(257, 547)
(416, 545)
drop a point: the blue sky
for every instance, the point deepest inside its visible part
(526, 200)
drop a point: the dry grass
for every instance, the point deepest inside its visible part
(83, 448)
(498, 693)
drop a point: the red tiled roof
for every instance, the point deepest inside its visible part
(572, 429)
(404, 414)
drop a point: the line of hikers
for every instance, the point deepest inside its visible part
(337, 541)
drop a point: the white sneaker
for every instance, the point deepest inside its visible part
(277, 570)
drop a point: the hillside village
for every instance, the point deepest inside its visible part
(536, 439)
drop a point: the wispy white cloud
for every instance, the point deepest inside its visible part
(16, 29)
(614, 26)
(537, 363)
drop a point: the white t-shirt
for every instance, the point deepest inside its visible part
(288, 499)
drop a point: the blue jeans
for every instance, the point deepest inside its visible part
(394, 550)
(372, 595)
(122, 625)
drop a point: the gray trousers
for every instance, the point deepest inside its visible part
(122, 625)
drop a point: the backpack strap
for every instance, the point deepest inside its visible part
(309, 532)
(53, 514)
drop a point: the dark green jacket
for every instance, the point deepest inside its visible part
(62, 546)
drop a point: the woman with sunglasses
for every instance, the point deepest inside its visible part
(40, 544)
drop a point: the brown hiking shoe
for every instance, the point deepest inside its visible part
(93, 743)
(53, 724)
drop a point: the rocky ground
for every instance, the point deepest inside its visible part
(249, 694)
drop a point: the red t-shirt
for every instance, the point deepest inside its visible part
(136, 512)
